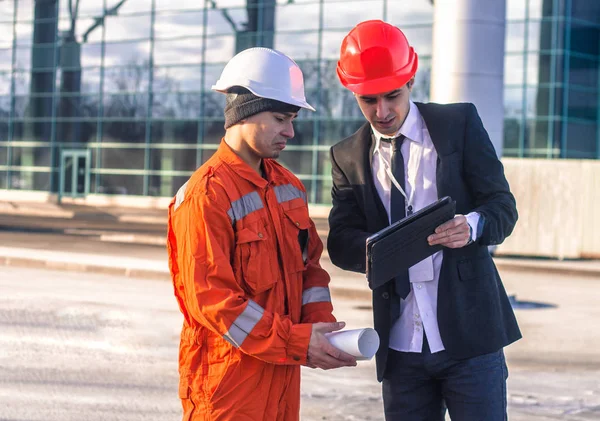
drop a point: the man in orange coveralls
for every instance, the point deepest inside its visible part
(244, 258)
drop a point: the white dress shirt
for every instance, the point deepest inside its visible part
(418, 312)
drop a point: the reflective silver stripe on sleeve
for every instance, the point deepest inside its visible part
(244, 206)
(243, 325)
(180, 196)
(287, 192)
(316, 295)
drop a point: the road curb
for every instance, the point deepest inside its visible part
(564, 268)
(84, 268)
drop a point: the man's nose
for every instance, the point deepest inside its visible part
(382, 109)
(289, 130)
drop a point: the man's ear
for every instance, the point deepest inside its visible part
(410, 83)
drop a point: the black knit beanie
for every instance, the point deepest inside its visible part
(240, 103)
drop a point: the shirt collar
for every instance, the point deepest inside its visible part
(411, 128)
(237, 164)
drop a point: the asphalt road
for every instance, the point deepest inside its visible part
(100, 347)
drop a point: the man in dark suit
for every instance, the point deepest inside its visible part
(443, 323)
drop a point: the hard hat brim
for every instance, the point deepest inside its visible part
(265, 92)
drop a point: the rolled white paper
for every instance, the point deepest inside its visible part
(360, 343)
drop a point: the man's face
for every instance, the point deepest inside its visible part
(266, 134)
(387, 111)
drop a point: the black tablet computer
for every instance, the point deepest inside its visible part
(404, 243)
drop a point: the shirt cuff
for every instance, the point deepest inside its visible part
(473, 221)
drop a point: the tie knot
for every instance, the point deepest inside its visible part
(396, 142)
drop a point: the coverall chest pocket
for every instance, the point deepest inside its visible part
(297, 224)
(255, 265)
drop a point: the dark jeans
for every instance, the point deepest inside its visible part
(419, 387)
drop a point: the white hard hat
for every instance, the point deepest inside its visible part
(266, 73)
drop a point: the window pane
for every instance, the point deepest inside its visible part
(583, 72)
(298, 162)
(5, 59)
(335, 130)
(512, 133)
(165, 185)
(420, 38)
(6, 9)
(582, 141)
(213, 131)
(24, 32)
(121, 158)
(126, 106)
(513, 102)
(347, 14)
(179, 24)
(124, 131)
(513, 69)
(29, 156)
(541, 38)
(539, 102)
(173, 159)
(515, 9)
(133, 78)
(324, 191)
(6, 33)
(583, 104)
(121, 184)
(515, 37)
(29, 180)
(585, 39)
(3, 157)
(180, 78)
(178, 131)
(121, 28)
(127, 53)
(539, 68)
(176, 105)
(586, 10)
(78, 80)
(179, 51)
(76, 131)
(297, 17)
(409, 12)
(220, 49)
(300, 46)
(303, 132)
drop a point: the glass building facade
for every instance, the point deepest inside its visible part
(112, 97)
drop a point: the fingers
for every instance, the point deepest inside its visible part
(326, 361)
(321, 354)
(457, 221)
(328, 327)
(452, 234)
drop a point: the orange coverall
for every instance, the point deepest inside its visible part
(244, 260)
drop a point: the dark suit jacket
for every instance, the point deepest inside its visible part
(474, 313)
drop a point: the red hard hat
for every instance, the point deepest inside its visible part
(375, 57)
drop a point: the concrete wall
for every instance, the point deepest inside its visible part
(558, 203)
(559, 208)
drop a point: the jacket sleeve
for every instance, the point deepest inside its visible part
(485, 177)
(316, 297)
(212, 295)
(347, 240)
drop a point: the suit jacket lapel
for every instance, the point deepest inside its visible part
(443, 135)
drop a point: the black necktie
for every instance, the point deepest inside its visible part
(398, 206)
